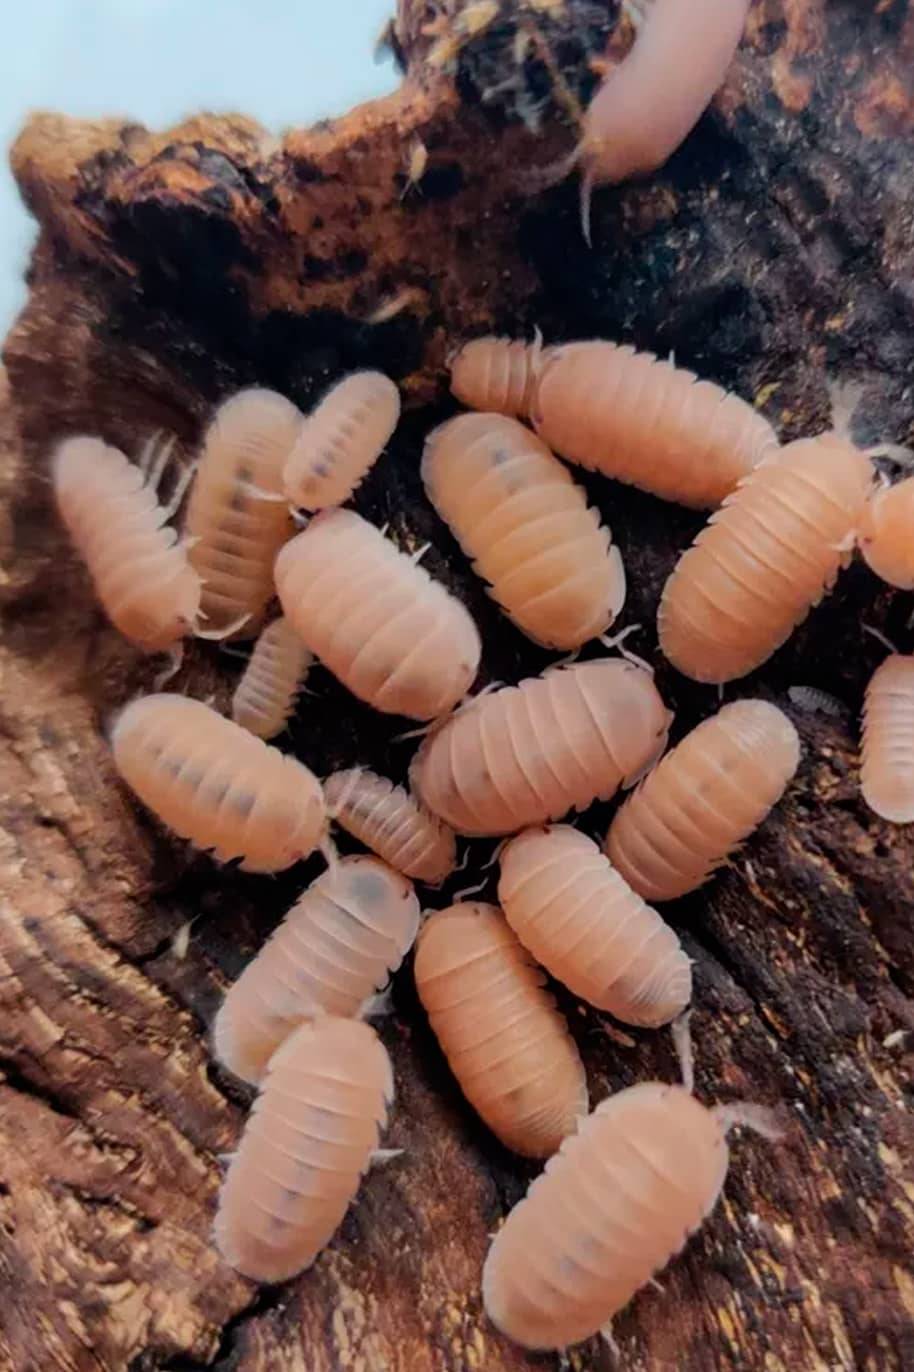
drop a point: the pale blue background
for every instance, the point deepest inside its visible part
(285, 62)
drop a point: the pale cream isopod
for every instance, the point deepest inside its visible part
(392, 823)
(307, 1143)
(139, 570)
(266, 694)
(214, 783)
(529, 753)
(610, 1209)
(639, 419)
(764, 559)
(393, 636)
(516, 512)
(703, 798)
(887, 771)
(341, 440)
(886, 536)
(497, 374)
(590, 930)
(335, 948)
(505, 1041)
(237, 516)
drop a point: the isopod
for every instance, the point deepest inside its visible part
(140, 571)
(237, 517)
(266, 694)
(307, 1143)
(763, 560)
(334, 949)
(341, 440)
(887, 770)
(217, 785)
(389, 821)
(516, 512)
(590, 930)
(638, 418)
(505, 1041)
(529, 753)
(393, 636)
(611, 1208)
(703, 799)
(497, 374)
(886, 536)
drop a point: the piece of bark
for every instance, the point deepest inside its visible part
(773, 251)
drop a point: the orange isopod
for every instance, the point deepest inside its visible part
(214, 783)
(337, 945)
(237, 513)
(703, 799)
(266, 694)
(307, 1143)
(389, 821)
(140, 571)
(612, 1206)
(341, 440)
(393, 636)
(528, 753)
(497, 374)
(516, 512)
(764, 559)
(505, 1041)
(886, 536)
(590, 930)
(887, 772)
(640, 419)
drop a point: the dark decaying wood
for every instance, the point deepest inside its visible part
(776, 250)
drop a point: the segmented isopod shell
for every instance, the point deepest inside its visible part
(337, 945)
(590, 930)
(389, 821)
(393, 636)
(887, 533)
(496, 374)
(239, 532)
(528, 753)
(138, 568)
(266, 694)
(516, 512)
(611, 1208)
(307, 1143)
(703, 799)
(505, 1041)
(642, 420)
(887, 772)
(341, 440)
(764, 559)
(214, 783)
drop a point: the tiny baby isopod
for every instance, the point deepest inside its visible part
(140, 571)
(392, 823)
(516, 512)
(275, 673)
(703, 799)
(590, 930)
(237, 517)
(217, 785)
(393, 636)
(529, 753)
(887, 762)
(307, 1143)
(505, 1041)
(764, 559)
(334, 949)
(340, 440)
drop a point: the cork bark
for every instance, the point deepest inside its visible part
(773, 253)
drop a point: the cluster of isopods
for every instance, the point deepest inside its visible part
(625, 1184)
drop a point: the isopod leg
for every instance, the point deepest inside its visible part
(175, 658)
(179, 492)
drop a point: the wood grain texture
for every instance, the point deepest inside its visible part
(172, 268)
